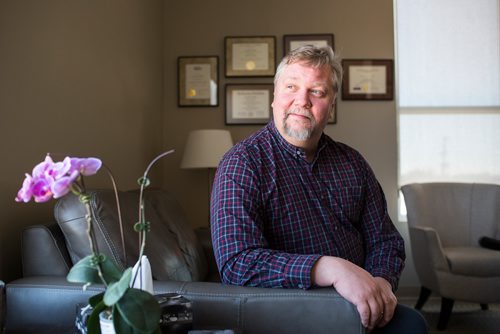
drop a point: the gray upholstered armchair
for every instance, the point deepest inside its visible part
(446, 223)
(182, 262)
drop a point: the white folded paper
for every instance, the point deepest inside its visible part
(141, 275)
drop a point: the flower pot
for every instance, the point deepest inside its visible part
(106, 322)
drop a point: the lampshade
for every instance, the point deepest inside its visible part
(205, 148)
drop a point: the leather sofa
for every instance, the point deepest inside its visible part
(182, 261)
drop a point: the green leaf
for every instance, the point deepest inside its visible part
(120, 324)
(84, 271)
(93, 325)
(110, 271)
(116, 290)
(140, 310)
(96, 299)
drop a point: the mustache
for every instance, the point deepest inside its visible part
(298, 111)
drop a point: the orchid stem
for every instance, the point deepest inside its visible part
(120, 222)
(142, 216)
(88, 218)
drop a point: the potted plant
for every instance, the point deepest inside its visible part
(133, 308)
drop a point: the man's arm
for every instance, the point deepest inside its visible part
(385, 250)
(372, 296)
(369, 288)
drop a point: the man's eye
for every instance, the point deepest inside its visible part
(317, 92)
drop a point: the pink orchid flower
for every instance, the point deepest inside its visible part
(54, 179)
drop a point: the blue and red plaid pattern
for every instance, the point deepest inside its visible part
(273, 214)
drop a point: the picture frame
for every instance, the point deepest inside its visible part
(368, 79)
(291, 42)
(248, 103)
(198, 81)
(250, 56)
(333, 117)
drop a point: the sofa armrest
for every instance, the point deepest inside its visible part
(263, 310)
(44, 251)
(427, 245)
(41, 301)
(428, 255)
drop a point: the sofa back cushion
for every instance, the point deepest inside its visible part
(172, 247)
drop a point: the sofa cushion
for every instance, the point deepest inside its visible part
(172, 247)
(473, 261)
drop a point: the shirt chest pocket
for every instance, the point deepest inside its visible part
(347, 204)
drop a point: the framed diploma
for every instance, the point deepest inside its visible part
(333, 116)
(198, 81)
(248, 104)
(291, 42)
(371, 79)
(250, 56)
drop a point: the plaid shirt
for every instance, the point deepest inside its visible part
(273, 214)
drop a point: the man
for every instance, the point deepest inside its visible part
(292, 208)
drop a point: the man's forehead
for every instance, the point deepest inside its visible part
(293, 77)
(300, 70)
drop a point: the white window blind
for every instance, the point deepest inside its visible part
(448, 53)
(448, 68)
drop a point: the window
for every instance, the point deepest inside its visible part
(448, 68)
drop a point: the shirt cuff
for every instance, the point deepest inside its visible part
(391, 279)
(298, 271)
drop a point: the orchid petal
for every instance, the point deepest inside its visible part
(59, 169)
(42, 167)
(41, 189)
(24, 194)
(62, 186)
(88, 166)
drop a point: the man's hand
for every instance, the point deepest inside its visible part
(372, 296)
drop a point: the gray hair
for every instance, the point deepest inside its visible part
(316, 57)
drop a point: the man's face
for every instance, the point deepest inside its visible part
(303, 100)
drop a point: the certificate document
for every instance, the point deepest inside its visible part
(297, 44)
(198, 81)
(250, 104)
(250, 56)
(367, 79)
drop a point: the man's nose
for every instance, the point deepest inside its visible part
(302, 99)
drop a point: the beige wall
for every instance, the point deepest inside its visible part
(99, 77)
(78, 78)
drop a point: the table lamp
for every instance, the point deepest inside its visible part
(204, 150)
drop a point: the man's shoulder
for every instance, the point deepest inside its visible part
(344, 155)
(258, 143)
(340, 148)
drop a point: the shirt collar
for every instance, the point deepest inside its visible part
(292, 149)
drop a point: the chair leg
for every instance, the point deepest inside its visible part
(424, 295)
(485, 307)
(444, 316)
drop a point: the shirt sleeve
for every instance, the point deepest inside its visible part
(385, 252)
(241, 250)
